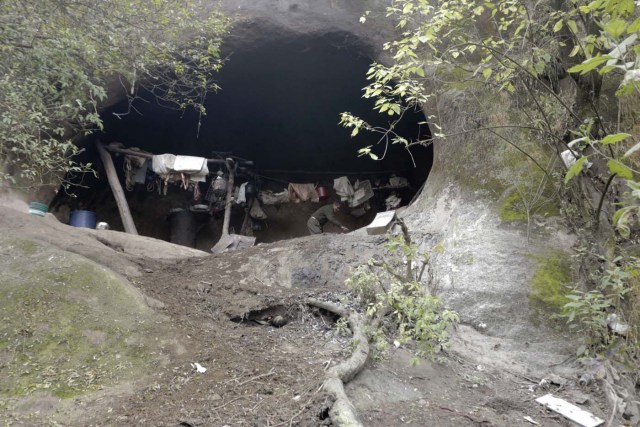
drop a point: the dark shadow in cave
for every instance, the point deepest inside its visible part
(279, 107)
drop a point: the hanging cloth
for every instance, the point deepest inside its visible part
(303, 193)
(241, 197)
(343, 188)
(162, 164)
(195, 167)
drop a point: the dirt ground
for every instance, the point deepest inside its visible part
(220, 310)
(261, 375)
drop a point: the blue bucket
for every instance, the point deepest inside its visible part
(86, 219)
(38, 209)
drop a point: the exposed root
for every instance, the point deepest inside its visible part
(342, 413)
(620, 398)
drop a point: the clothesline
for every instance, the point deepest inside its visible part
(335, 173)
(150, 155)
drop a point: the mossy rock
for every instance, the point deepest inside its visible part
(69, 326)
(510, 210)
(551, 283)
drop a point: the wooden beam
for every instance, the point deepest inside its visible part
(116, 189)
(149, 156)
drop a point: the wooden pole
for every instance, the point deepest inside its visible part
(116, 189)
(150, 156)
(231, 167)
(244, 230)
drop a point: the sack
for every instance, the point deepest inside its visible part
(271, 198)
(256, 211)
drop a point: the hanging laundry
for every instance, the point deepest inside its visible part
(303, 193)
(241, 197)
(134, 168)
(271, 198)
(393, 201)
(362, 193)
(197, 194)
(195, 167)
(343, 188)
(211, 195)
(162, 164)
(141, 173)
(186, 170)
(398, 181)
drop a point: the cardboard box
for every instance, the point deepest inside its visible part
(381, 223)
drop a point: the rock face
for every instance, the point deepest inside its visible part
(482, 264)
(260, 19)
(491, 267)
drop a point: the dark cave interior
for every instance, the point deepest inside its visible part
(279, 107)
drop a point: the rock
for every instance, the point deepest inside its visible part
(278, 321)
(577, 397)
(557, 380)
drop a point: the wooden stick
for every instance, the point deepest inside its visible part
(257, 377)
(245, 222)
(116, 189)
(149, 155)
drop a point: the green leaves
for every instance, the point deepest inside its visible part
(615, 27)
(619, 169)
(412, 314)
(589, 64)
(612, 139)
(558, 26)
(575, 169)
(58, 58)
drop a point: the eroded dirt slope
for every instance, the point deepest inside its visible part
(218, 312)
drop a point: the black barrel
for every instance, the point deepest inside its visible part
(183, 227)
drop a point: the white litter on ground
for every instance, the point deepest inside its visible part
(569, 410)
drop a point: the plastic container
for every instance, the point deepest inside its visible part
(38, 209)
(323, 192)
(83, 219)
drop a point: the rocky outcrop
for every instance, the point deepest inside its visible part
(257, 20)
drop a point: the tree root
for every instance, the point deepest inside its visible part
(342, 412)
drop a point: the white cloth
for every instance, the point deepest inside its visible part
(393, 201)
(195, 167)
(343, 187)
(363, 192)
(162, 164)
(398, 181)
(190, 165)
(241, 197)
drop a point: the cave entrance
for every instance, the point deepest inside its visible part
(278, 108)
